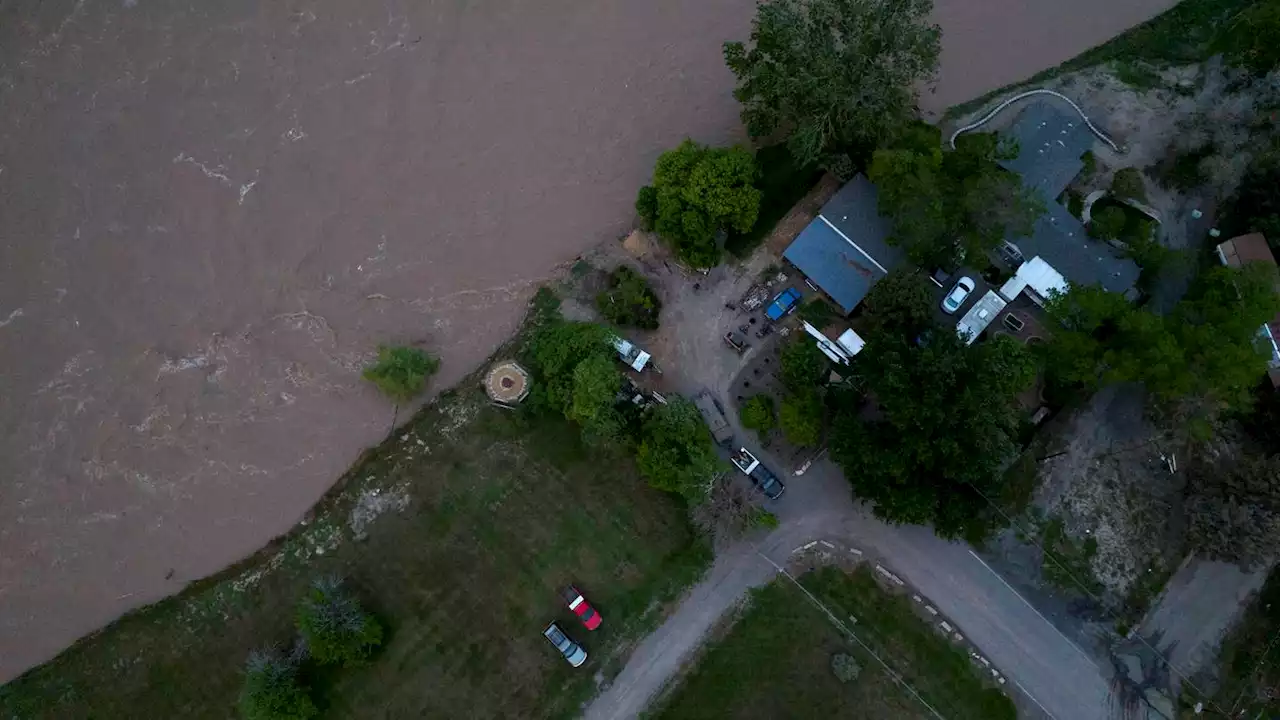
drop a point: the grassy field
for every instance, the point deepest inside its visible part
(775, 662)
(1183, 34)
(499, 510)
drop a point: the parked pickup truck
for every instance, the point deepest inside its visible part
(768, 483)
(631, 354)
(783, 304)
(714, 415)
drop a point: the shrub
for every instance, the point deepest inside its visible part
(801, 418)
(1090, 166)
(758, 414)
(1108, 223)
(1127, 185)
(763, 518)
(271, 690)
(336, 629)
(845, 668)
(818, 313)
(629, 300)
(802, 365)
(401, 372)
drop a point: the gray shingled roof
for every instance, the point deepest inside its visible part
(1050, 144)
(844, 251)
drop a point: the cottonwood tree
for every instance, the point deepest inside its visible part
(676, 451)
(698, 192)
(944, 423)
(1204, 357)
(948, 205)
(833, 75)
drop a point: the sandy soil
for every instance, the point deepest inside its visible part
(212, 213)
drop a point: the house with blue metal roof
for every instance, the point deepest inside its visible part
(844, 251)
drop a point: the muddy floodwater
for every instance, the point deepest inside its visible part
(211, 213)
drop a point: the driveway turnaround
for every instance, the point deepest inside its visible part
(214, 212)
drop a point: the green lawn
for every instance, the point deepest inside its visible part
(775, 662)
(503, 509)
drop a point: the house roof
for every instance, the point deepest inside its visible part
(844, 250)
(1245, 248)
(1050, 144)
(1060, 240)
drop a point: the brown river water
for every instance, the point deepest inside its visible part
(211, 213)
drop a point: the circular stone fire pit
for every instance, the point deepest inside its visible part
(507, 382)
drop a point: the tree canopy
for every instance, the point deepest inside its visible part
(697, 193)
(629, 300)
(901, 303)
(833, 75)
(943, 422)
(1204, 357)
(577, 376)
(1248, 41)
(676, 451)
(947, 205)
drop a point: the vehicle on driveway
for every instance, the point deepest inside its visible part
(635, 357)
(959, 293)
(768, 483)
(571, 650)
(713, 414)
(785, 302)
(581, 607)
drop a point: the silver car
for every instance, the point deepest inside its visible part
(571, 650)
(959, 293)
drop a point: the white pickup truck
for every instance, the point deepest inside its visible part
(768, 483)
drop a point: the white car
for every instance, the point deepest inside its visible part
(571, 650)
(959, 293)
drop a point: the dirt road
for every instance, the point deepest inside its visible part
(213, 212)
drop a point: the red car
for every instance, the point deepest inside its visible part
(581, 608)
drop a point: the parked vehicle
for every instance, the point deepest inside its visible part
(713, 414)
(571, 650)
(631, 354)
(766, 481)
(959, 293)
(581, 607)
(735, 342)
(784, 304)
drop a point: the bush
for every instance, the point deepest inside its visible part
(763, 518)
(401, 372)
(758, 414)
(271, 690)
(1090, 166)
(1108, 223)
(801, 418)
(1127, 185)
(629, 300)
(336, 629)
(845, 668)
(818, 313)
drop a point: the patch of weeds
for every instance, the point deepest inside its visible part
(1020, 482)
(1068, 563)
(1186, 173)
(1137, 75)
(1090, 166)
(1142, 593)
(818, 312)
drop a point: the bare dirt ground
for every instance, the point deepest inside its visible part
(213, 213)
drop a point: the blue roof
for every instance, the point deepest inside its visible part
(844, 251)
(1062, 241)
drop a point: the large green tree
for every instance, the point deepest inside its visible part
(948, 205)
(943, 424)
(901, 303)
(833, 75)
(1204, 357)
(577, 375)
(698, 192)
(676, 451)
(1248, 40)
